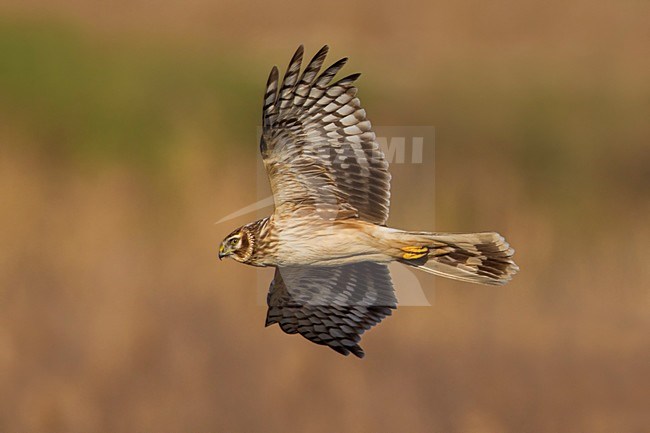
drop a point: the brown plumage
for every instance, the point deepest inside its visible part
(327, 237)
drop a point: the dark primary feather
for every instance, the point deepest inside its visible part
(308, 76)
(285, 97)
(331, 306)
(310, 121)
(268, 111)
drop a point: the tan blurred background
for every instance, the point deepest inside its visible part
(128, 128)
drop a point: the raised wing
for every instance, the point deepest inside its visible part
(318, 146)
(331, 306)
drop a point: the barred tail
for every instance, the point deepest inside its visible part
(484, 258)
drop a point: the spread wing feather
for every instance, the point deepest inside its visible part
(331, 306)
(315, 133)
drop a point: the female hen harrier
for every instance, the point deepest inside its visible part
(327, 237)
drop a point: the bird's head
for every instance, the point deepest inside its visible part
(238, 245)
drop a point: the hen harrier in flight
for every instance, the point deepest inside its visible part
(327, 237)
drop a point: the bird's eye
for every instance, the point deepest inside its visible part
(233, 241)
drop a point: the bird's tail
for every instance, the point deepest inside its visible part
(484, 258)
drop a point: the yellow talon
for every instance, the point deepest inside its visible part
(415, 250)
(411, 256)
(414, 253)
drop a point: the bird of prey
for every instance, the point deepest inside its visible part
(327, 236)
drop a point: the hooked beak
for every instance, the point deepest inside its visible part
(222, 252)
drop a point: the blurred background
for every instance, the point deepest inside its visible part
(128, 128)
